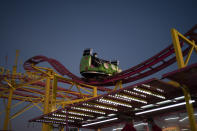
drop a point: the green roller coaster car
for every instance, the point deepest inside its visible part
(92, 67)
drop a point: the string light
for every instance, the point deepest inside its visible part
(78, 113)
(127, 98)
(58, 119)
(148, 92)
(102, 100)
(48, 121)
(88, 110)
(145, 85)
(58, 115)
(160, 90)
(72, 117)
(100, 106)
(134, 93)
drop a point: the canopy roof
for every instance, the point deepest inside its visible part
(138, 101)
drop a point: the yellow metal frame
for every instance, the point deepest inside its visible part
(11, 90)
(81, 86)
(176, 42)
(181, 64)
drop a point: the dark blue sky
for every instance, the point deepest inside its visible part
(128, 30)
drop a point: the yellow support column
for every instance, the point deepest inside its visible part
(94, 92)
(177, 48)
(118, 84)
(54, 93)
(11, 90)
(46, 127)
(189, 108)
(181, 64)
(7, 115)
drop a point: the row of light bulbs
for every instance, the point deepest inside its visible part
(160, 90)
(54, 118)
(78, 113)
(100, 107)
(117, 97)
(148, 86)
(132, 98)
(148, 92)
(145, 85)
(48, 121)
(58, 115)
(72, 117)
(58, 119)
(102, 100)
(127, 98)
(134, 93)
(88, 110)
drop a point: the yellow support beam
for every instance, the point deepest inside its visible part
(70, 81)
(45, 126)
(78, 86)
(74, 101)
(64, 97)
(73, 93)
(8, 108)
(177, 48)
(95, 92)
(36, 104)
(15, 62)
(10, 83)
(30, 82)
(190, 109)
(44, 72)
(189, 55)
(54, 93)
(11, 90)
(182, 64)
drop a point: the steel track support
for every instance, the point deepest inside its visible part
(189, 107)
(11, 90)
(8, 108)
(182, 64)
(94, 92)
(45, 126)
(54, 93)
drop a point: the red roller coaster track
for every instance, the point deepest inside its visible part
(152, 65)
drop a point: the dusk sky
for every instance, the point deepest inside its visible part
(130, 31)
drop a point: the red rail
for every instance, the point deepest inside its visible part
(154, 64)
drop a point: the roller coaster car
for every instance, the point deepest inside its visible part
(93, 67)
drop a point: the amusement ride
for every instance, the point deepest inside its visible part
(87, 102)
